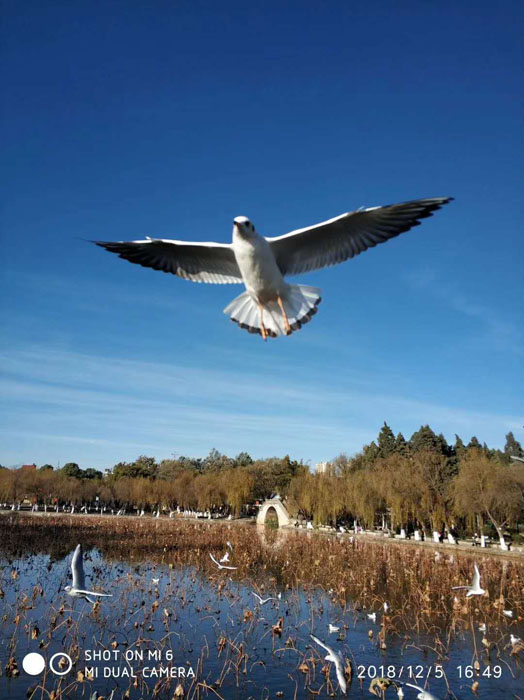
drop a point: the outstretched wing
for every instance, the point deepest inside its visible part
(476, 578)
(424, 694)
(199, 262)
(336, 658)
(345, 236)
(105, 595)
(77, 567)
(324, 646)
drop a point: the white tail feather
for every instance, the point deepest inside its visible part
(300, 302)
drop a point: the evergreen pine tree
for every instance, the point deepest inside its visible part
(370, 454)
(513, 446)
(474, 443)
(401, 446)
(459, 447)
(425, 439)
(386, 441)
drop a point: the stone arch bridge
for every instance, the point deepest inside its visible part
(282, 514)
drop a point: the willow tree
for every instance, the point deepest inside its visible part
(8, 485)
(431, 484)
(328, 498)
(238, 485)
(302, 492)
(394, 482)
(485, 486)
(362, 498)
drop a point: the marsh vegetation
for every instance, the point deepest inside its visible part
(393, 606)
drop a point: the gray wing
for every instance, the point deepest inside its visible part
(345, 236)
(77, 567)
(199, 262)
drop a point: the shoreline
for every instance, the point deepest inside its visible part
(460, 548)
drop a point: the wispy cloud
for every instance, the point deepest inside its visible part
(99, 410)
(492, 327)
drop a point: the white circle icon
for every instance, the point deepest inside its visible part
(33, 663)
(68, 659)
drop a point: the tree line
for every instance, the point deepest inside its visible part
(423, 483)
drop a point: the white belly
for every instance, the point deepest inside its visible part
(259, 269)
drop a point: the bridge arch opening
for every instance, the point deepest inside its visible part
(276, 508)
(271, 517)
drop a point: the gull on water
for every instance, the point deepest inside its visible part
(475, 588)
(78, 589)
(372, 617)
(508, 613)
(271, 306)
(262, 601)
(221, 566)
(336, 658)
(333, 628)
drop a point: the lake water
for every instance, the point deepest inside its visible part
(202, 630)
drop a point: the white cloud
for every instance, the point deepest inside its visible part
(99, 410)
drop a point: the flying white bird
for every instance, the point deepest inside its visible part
(78, 589)
(221, 566)
(519, 459)
(270, 306)
(225, 558)
(336, 658)
(262, 601)
(475, 588)
(423, 694)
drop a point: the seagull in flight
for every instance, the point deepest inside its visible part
(221, 566)
(78, 589)
(475, 588)
(271, 306)
(261, 600)
(423, 694)
(336, 658)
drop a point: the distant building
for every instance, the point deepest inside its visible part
(322, 467)
(27, 467)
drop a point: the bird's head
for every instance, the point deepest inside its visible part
(244, 227)
(68, 588)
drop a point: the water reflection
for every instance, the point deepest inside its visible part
(176, 621)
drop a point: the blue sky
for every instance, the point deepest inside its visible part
(126, 119)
